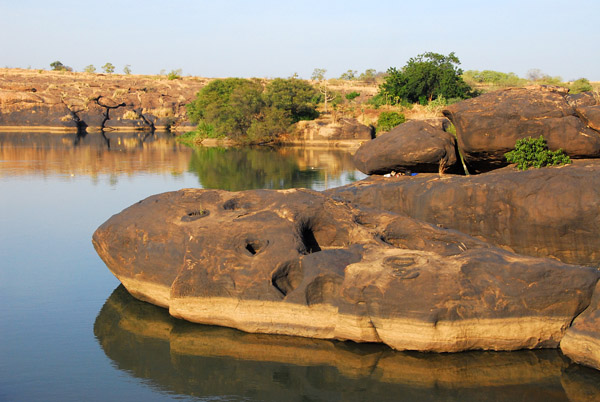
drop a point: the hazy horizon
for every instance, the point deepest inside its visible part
(267, 38)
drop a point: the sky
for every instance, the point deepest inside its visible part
(265, 38)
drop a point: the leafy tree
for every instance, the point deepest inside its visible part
(127, 69)
(369, 75)
(90, 69)
(247, 110)
(349, 75)
(318, 74)
(389, 120)
(534, 152)
(58, 66)
(426, 77)
(108, 68)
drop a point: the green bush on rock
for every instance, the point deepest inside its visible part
(534, 152)
(389, 120)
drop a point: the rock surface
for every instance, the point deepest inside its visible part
(415, 146)
(548, 212)
(323, 129)
(144, 341)
(582, 340)
(68, 101)
(297, 262)
(489, 125)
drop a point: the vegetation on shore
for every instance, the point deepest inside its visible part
(534, 152)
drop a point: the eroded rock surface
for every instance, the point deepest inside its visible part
(489, 125)
(324, 129)
(415, 146)
(549, 212)
(300, 263)
(582, 340)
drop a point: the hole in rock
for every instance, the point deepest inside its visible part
(255, 246)
(195, 214)
(231, 205)
(287, 277)
(307, 236)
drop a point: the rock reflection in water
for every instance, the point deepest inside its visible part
(190, 359)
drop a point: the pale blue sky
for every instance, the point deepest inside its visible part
(266, 38)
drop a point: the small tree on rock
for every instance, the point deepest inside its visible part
(108, 68)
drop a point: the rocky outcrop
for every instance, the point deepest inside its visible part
(415, 146)
(324, 129)
(582, 340)
(549, 212)
(71, 101)
(297, 262)
(489, 125)
(177, 357)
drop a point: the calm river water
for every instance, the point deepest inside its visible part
(69, 332)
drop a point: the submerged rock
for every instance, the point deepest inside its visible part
(415, 146)
(548, 212)
(297, 262)
(489, 125)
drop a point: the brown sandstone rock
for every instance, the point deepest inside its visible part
(489, 126)
(582, 340)
(148, 343)
(590, 115)
(299, 263)
(548, 212)
(412, 146)
(323, 129)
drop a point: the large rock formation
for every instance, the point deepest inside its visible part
(178, 357)
(300, 263)
(582, 341)
(489, 125)
(415, 146)
(324, 129)
(550, 212)
(71, 101)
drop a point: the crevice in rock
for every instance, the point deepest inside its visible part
(106, 113)
(81, 125)
(287, 277)
(307, 237)
(146, 120)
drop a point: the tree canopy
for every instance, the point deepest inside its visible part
(425, 78)
(236, 107)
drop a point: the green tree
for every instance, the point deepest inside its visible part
(426, 77)
(58, 66)
(318, 74)
(127, 69)
(349, 75)
(369, 75)
(247, 110)
(90, 69)
(108, 68)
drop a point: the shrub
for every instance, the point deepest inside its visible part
(90, 69)
(534, 152)
(389, 120)
(174, 74)
(108, 68)
(580, 85)
(352, 95)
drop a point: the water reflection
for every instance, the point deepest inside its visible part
(190, 359)
(127, 154)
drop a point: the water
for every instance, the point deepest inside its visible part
(68, 332)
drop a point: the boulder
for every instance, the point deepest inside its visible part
(590, 115)
(297, 262)
(548, 212)
(489, 125)
(582, 340)
(415, 146)
(323, 129)
(178, 357)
